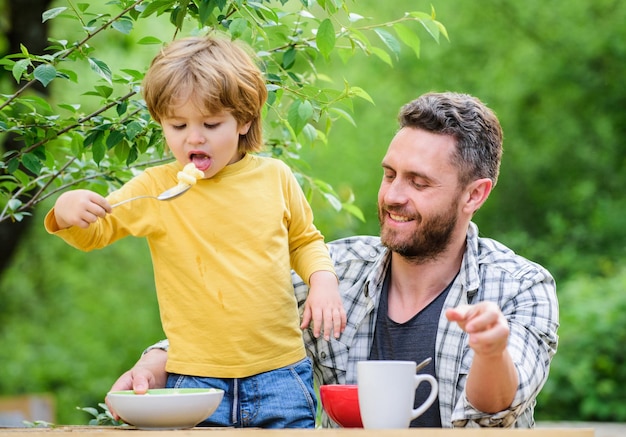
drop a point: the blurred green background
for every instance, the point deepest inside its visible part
(71, 323)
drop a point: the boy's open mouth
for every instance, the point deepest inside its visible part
(201, 161)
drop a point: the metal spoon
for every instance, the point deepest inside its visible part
(423, 364)
(165, 195)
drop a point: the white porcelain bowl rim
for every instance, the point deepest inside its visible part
(173, 408)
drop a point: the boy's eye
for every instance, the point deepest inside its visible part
(178, 126)
(211, 125)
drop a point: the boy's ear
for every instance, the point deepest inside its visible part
(477, 193)
(244, 128)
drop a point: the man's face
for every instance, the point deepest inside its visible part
(418, 200)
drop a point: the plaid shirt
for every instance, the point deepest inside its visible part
(524, 291)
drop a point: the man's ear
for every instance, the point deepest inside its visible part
(476, 193)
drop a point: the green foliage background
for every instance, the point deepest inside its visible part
(71, 322)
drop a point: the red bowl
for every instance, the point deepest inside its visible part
(341, 403)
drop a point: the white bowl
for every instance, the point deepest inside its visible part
(165, 408)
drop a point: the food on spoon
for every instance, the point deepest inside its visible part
(189, 175)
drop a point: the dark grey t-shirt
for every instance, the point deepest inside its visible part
(413, 340)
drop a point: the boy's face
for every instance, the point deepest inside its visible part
(209, 141)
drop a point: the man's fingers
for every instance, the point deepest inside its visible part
(459, 314)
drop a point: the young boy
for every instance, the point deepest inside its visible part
(223, 251)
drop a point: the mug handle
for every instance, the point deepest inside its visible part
(431, 397)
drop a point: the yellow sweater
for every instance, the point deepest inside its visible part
(222, 255)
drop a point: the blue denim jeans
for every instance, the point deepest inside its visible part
(281, 398)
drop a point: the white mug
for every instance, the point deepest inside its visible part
(387, 393)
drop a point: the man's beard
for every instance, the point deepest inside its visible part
(430, 239)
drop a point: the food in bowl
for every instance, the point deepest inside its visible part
(165, 408)
(341, 403)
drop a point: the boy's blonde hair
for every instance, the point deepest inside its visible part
(217, 74)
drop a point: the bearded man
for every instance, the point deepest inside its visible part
(429, 286)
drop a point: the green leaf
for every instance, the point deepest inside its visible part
(354, 210)
(104, 91)
(92, 137)
(90, 410)
(293, 118)
(309, 132)
(353, 18)
(123, 25)
(98, 150)
(343, 114)
(300, 113)
(383, 55)
(24, 50)
(73, 108)
(431, 26)
(77, 146)
(325, 38)
(69, 74)
(136, 75)
(157, 6)
(133, 129)
(121, 107)
(132, 155)
(333, 200)
(360, 92)
(147, 40)
(32, 163)
(14, 204)
(114, 138)
(13, 165)
(45, 73)
(289, 58)
(51, 13)
(100, 68)
(389, 40)
(305, 110)
(177, 17)
(408, 37)
(22, 177)
(205, 10)
(237, 27)
(121, 150)
(19, 68)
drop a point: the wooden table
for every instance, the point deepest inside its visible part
(107, 431)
